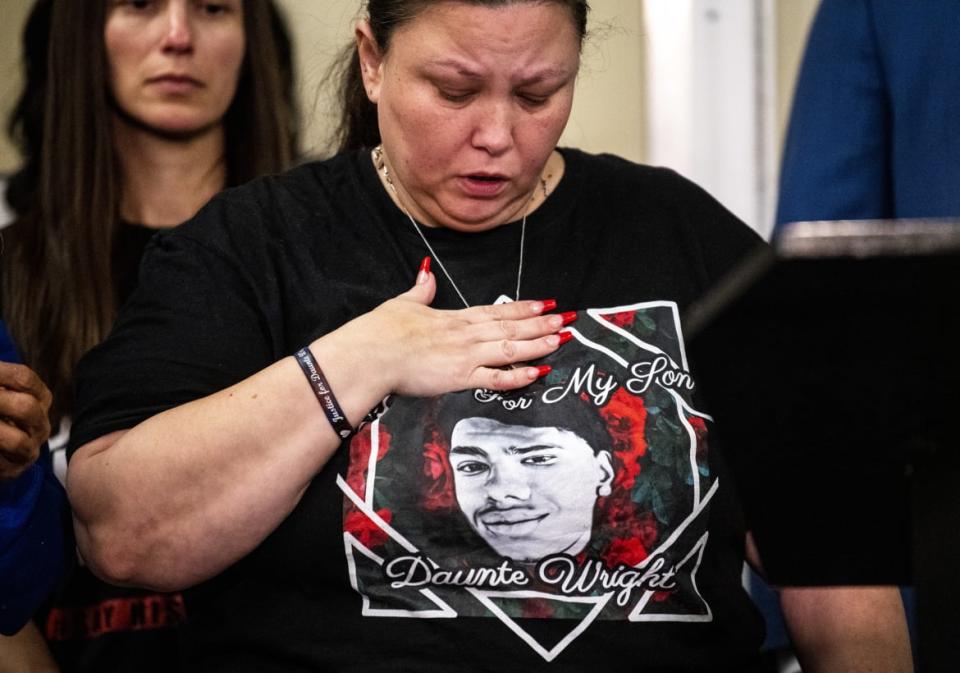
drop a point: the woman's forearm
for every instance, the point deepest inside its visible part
(848, 629)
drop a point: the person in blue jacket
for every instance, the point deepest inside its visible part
(35, 543)
(874, 133)
(875, 126)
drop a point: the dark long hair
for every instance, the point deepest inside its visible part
(357, 126)
(57, 275)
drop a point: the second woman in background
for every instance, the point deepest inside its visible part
(133, 114)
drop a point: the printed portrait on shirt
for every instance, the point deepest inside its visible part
(527, 482)
(582, 496)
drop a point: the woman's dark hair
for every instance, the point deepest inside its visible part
(357, 126)
(58, 290)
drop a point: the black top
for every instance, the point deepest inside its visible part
(613, 482)
(128, 246)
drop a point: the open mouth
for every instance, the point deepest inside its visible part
(483, 184)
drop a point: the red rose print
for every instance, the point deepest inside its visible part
(620, 513)
(645, 526)
(626, 551)
(360, 447)
(626, 419)
(436, 468)
(366, 530)
(632, 532)
(660, 596)
(624, 319)
(359, 458)
(700, 428)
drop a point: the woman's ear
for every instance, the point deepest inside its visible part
(371, 60)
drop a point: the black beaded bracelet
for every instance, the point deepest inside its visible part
(328, 402)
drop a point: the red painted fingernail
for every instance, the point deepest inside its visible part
(549, 305)
(543, 370)
(564, 337)
(424, 273)
(568, 317)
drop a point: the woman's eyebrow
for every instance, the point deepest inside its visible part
(544, 75)
(535, 76)
(460, 67)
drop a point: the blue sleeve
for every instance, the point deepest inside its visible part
(836, 156)
(8, 351)
(35, 545)
(35, 534)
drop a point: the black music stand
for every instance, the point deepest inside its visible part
(830, 363)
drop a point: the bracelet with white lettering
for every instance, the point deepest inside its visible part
(328, 402)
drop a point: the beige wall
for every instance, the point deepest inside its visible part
(13, 13)
(608, 113)
(320, 30)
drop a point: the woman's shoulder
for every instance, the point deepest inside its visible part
(606, 168)
(303, 187)
(618, 184)
(655, 202)
(274, 207)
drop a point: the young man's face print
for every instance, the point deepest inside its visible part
(529, 492)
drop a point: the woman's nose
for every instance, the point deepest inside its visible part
(179, 31)
(493, 130)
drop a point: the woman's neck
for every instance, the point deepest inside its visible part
(166, 180)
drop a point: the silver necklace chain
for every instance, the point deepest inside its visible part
(381, 165)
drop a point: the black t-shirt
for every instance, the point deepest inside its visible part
(128, 246)
(579, 524)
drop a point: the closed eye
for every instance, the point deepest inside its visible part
(454, 96)
(533, 101)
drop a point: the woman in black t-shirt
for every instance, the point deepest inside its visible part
(410, 542)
